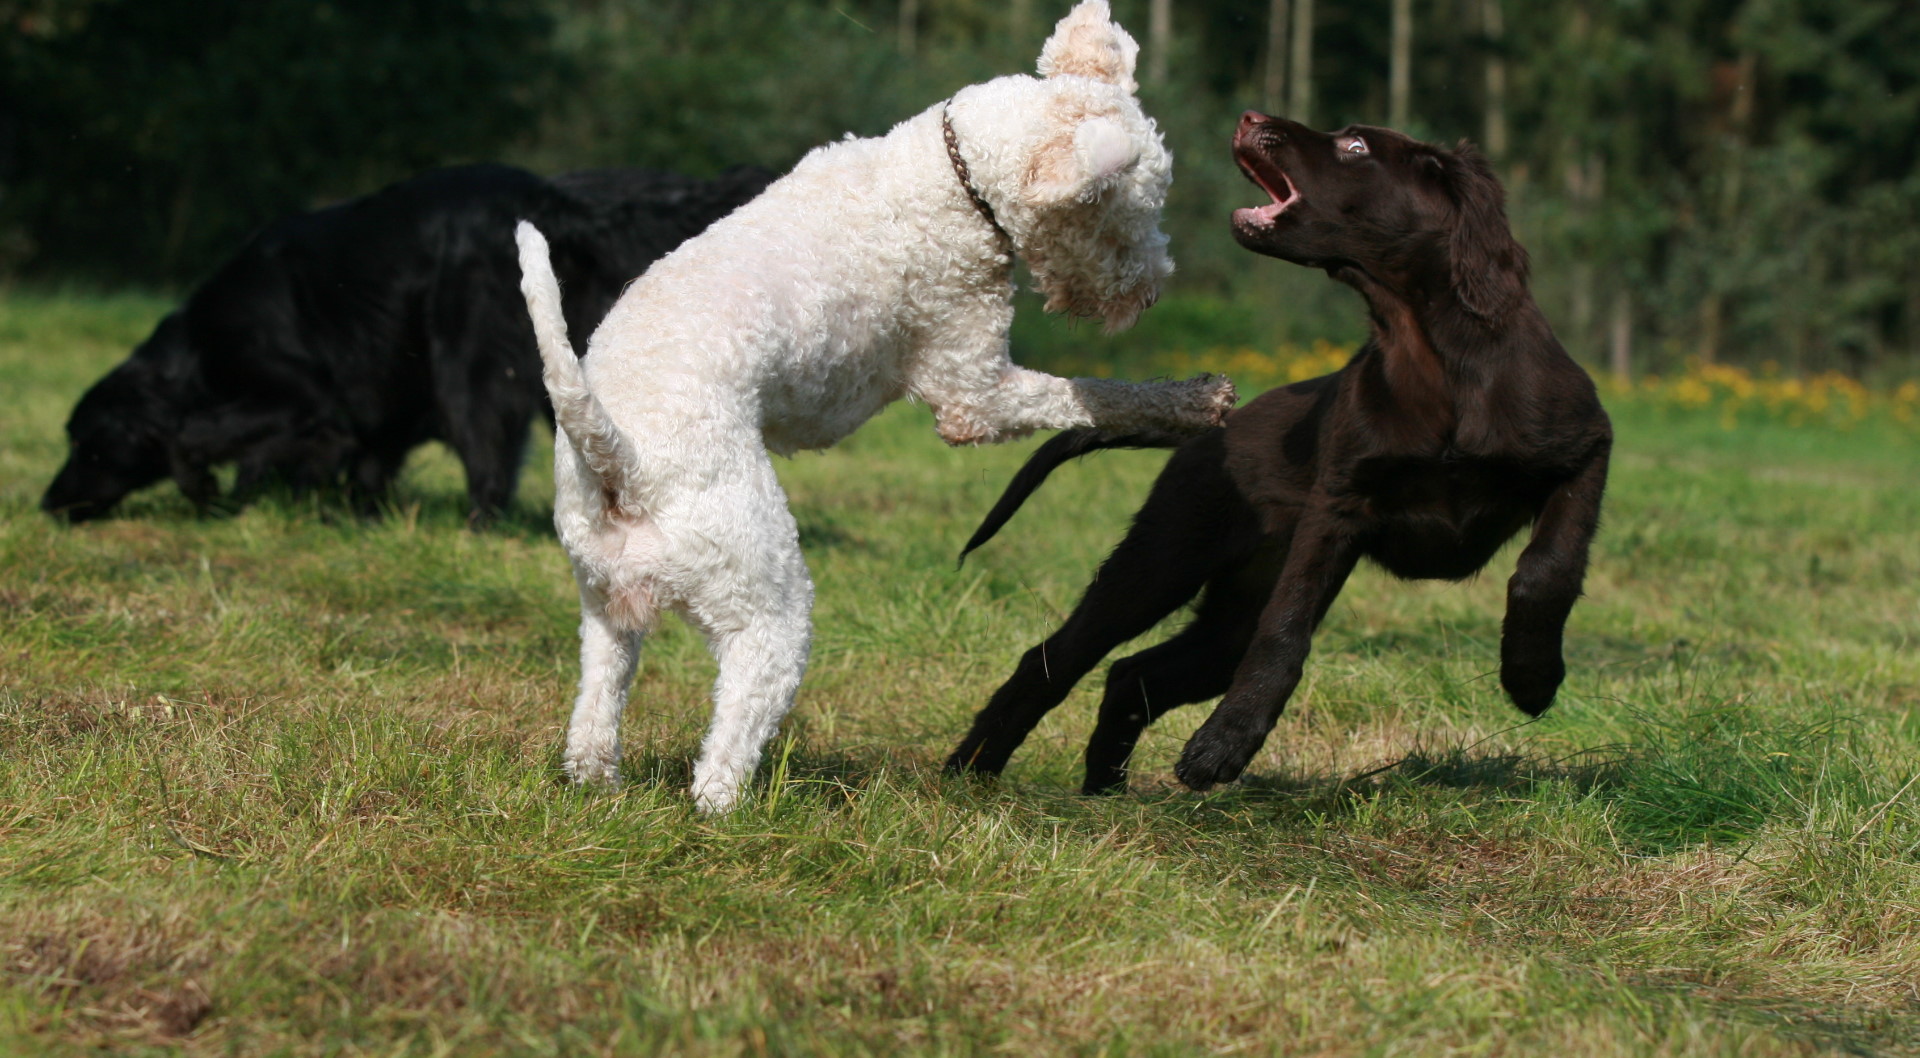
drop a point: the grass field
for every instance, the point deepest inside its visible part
(285, 783)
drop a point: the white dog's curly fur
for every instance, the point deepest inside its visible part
(866, 275)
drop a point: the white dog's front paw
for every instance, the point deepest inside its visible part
(1216, 397)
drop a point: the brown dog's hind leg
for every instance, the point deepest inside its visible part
(1193, 525)
(1136, 587)
(1191, 667)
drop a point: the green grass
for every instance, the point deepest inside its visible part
(286, 783)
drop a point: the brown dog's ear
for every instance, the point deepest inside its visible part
(1489, 267)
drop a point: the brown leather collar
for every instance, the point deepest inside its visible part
(966, 180)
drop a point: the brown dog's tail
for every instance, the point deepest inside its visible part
(1066, 445)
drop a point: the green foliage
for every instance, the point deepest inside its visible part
(1728, 162)
(153, 135)
(1731, 179)
(703, 86)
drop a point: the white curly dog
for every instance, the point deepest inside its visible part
(878, 269)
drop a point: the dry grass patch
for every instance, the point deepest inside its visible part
(115, 976)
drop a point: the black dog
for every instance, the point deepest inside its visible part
(337, 341)
(1460, 422)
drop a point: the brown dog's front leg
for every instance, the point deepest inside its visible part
(1545, 583)
(1323, 553)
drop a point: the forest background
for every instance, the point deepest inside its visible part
(1727, 181)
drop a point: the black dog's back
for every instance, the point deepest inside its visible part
(633, 217)
(336, 341)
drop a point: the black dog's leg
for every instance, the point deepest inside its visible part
(369, 478)
(195, 479)
(1546, 582)
(1191, 667)
(1323, 553)
(491, 451)
(317, 462)
(300, 459)
(486, 382)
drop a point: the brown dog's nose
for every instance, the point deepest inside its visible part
(1251, 118)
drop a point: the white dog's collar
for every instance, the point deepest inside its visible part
(966, 180)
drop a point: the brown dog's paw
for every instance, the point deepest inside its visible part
(1533, 682)
(967, 761)
(1212, 758)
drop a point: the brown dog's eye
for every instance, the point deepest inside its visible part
(1352, 145)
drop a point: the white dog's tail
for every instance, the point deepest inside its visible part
(601, 445)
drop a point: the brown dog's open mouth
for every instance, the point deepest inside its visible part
(1275, 182)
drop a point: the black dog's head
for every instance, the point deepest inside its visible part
(1422, 221)
(122, 434)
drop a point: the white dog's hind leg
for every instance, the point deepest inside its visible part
(609, 655)
(760, 670)
(756, 613)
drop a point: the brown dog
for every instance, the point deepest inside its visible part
(1460, 421)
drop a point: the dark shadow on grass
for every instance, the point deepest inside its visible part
(819, 532)
(164, 506)
(1327, 794)
(1690, 776)
(1710, 774)
(1705, 775)
(832, 779)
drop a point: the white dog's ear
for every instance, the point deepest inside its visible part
(1075, 164)
(1088, 43)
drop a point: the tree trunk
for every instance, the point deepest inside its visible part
(179, 218)
(909, 25)
(1159, 39)
(1494, 22)
(1400, 65)
(1620, 344)
(1300, 101)
(1585, 182)
(1274, 98)
(1580, 305)
(1739, 116)
(1908, 334)
(1712, 310)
